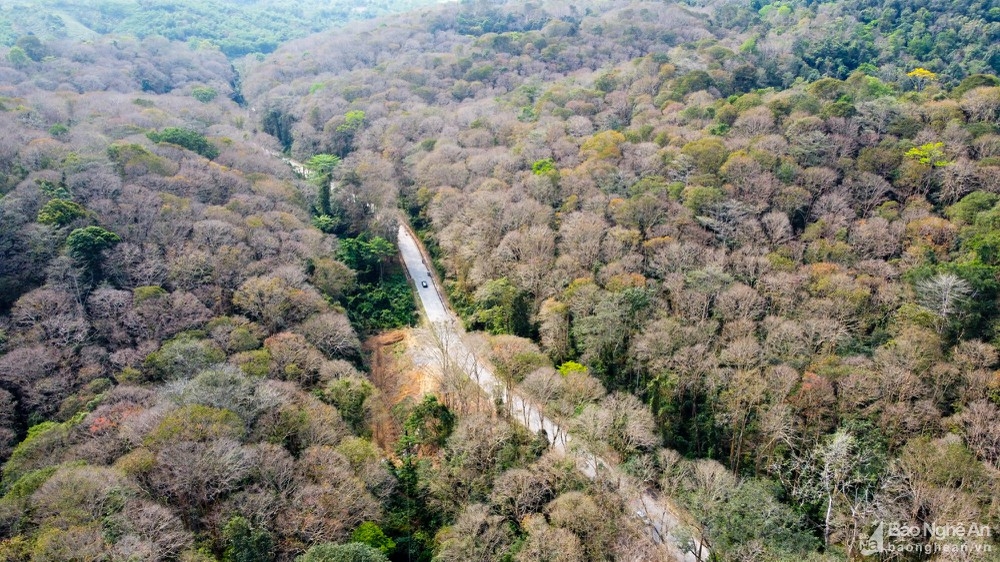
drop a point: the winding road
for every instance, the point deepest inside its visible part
(662, 519)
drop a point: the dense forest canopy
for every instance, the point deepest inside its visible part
(745, 251)
(236, 27)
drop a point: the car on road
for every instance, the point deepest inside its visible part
(423, 284)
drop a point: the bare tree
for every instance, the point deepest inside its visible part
(331, 333)
(476, 536)
(549, 544)
(945, 295)
(520, 492)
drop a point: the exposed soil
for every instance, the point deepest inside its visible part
(401, 373)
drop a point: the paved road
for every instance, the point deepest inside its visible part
(662, 520)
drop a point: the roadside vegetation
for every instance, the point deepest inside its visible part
(747, 251)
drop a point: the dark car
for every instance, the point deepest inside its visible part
(423, 284)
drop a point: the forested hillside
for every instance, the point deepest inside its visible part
(236, 27)
(181, 374)
(745, 251)
(770, 222)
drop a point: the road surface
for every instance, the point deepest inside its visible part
(661, 519)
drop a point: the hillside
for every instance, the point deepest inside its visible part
(745, 251)
(770, 225)
(236, 27)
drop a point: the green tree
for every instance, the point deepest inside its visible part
(543, 167)
(366, 255)
(502, 308)
(326, 223)
(430, 423)
(33, 47)
(572, 367)
(244, 543)
(378, 306)
(204, 94)
(751, 512)
(278, 124)
(349, 396)
(60, 212)
(186, 138)
(708, 154)
(181, 358)
(344, 133)
(322, 166)
(931, 154)
(58, 130)
(353, 120)
(372, 535)
(86, 244)
(17, 57)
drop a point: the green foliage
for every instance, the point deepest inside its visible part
(353, 120)
(571, 368)
(374, 307)
(32, 46)
(235, 28)
(182, 358)
(372, 535)
(255, 363)
(349, 396)
(86, 244)
(146, 292)
(33, 452)
(606, 82)
(700, 199)
(931, 154)
(244, 543)
(750, 513)
(543, 167)
(787, 271)
(975, 81)
(326, 223)
(430, 423)
(18, 58)
(352, 552)
(27, 484)
(186, 138)
(323, 164)
(58, 130)
(54, 190)
(195, 422)
(204, 94)
(366, 255)
(501, 308)
(692, 82)
(331, 277)
(708, 154)
(60, 212)
(279, 125)
(970, 206)
(379, 301)
(127, 155)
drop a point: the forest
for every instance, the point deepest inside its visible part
(236, 27)
(745, 251)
